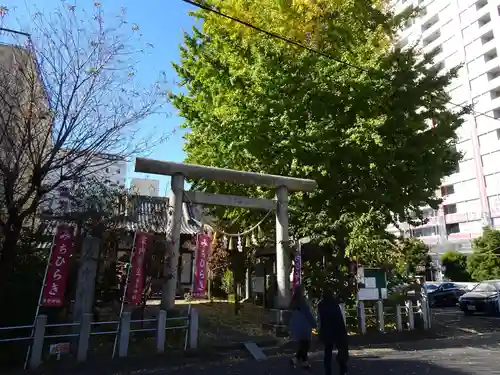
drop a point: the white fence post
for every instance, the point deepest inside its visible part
(342, 310)
(399, 319)
(124, 334)
(362, 317)
(411, 317)
(160, 331)
(380, 316)
(84, 337)
(35, 359)
(193, 329)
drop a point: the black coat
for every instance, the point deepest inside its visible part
(332, 329)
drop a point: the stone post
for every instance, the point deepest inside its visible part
(282, 248)
(172, 256)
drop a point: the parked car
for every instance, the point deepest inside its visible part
(482, 299)
(446, 294)
(430, 287)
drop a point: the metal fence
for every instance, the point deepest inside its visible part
(81, 333)
(401, 316)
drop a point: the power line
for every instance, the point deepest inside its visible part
(313, 50)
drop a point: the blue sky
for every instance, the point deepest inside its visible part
(161, 22)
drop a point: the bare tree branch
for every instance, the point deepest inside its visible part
(70, 103)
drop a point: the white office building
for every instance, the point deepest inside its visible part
(111, 173)
(145, 186)
(464, 32)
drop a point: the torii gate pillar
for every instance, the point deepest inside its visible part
(171, 260)
(282, 247)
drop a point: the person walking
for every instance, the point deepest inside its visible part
(302, 323)
(333, 332)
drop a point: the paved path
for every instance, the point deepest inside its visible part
(477, 356)
(454, 321)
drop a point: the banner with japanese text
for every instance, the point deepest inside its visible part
(200, 269)
(58, 267)
(297, 269)
(136, 279)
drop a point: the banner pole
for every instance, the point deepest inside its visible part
(37, 311)
(127, 278)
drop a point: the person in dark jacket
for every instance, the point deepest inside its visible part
(333, 332)
(302, 323)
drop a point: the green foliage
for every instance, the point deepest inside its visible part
(228, 282)
(219, 260)
(255, 103)
(369, 242)
(415, 257)
(455, 264)
(484, 262)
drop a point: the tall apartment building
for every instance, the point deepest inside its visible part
(464, 32)
(25, 125)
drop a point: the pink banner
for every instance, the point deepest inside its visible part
(136, 279)
(58, 267)
(200, 269)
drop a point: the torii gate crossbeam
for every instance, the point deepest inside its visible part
(180, 171)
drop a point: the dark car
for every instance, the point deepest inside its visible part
(482, 299)
(446, 294)
(430, 287)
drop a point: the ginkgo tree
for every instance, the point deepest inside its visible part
(355, 115)
(70, 103)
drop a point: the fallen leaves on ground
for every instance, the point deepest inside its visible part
(219, 325)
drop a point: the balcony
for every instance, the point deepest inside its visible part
(478, 27)
(458, 237)
(462, 217)
(429, 240)
(434, 8)
(429, 42)
(486, 124)
(490, 163)
(487, 105)
(477, 70)
(477, 48)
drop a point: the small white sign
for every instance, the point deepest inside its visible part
(383, 293)
(58, 349)
(258, 284)
(370, 282)
(361, 274)
(365, 294)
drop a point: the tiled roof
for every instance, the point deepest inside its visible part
(151, 214)
(147, 214)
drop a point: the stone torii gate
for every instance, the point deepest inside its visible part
(180, 171)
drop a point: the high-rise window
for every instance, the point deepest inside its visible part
(447, 190)
(490, 55)
(484, 20)
(450, 209)
(481, 4)
(452, 228)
